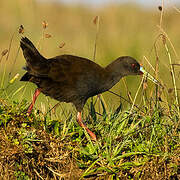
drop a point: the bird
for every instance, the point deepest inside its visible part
(73, 79)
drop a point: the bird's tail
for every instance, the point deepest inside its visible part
(26, 77)
(36, 63)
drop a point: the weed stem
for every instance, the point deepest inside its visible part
(173, 76)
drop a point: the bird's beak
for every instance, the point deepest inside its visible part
(148, 76)
(141, 71)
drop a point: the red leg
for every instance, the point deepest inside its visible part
(79, 120)
(36, 94)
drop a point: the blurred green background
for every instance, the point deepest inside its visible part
(125, 29)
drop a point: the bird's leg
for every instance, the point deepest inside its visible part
(36, 94)
(79, 120)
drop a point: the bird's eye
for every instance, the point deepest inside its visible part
(133, 65)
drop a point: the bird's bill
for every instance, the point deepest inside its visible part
(148, 76)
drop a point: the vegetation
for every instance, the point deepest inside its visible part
(138, 134)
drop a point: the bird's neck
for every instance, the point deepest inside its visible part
(114, 73)
(109, 81)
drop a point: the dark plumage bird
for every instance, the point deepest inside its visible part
(74, 79)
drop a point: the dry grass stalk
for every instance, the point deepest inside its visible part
(14, 62)
(137, 92)
(38, 174)
(58, 174)
(96, 21)
(127, 90)
(178, 10)
(173, 74)
(125, 100)
(162, 13)
(44, 27)
(146, 59)
(21, 29)
(167, 38)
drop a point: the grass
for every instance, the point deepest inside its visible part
(138, 135)
(138, 145)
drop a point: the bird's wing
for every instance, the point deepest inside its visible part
(70, 68)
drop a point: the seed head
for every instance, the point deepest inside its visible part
(160, 8)
(95, 20)
(47, 36)
(44, 24)
(21, 29)
(145, 85)
(163, 39)
(4, 52)
(170, 90)
(62, 45)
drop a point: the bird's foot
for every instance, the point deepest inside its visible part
(29, 111)
(92, 135)
(36, 94)
(79, 120)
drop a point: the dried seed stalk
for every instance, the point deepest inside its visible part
(173, 75)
